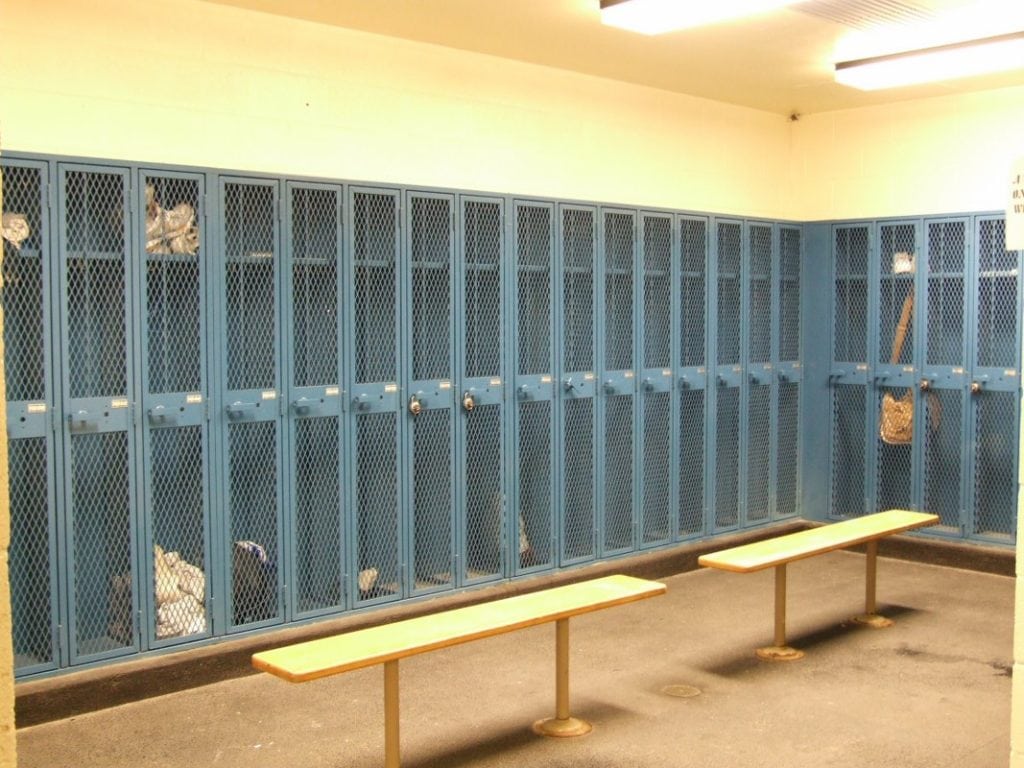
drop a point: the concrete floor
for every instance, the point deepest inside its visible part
(932, 691)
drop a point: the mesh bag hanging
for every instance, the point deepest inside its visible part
(896, 425)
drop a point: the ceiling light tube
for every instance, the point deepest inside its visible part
(928, 65)
(653, 17)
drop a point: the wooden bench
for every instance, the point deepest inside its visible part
(778, 552)
(388, 643)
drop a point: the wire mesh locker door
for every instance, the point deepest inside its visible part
(756, 442)
(694, 236)
(789, 374)
(848, 376)
(618, 381)
(430, 405)
(250, 418)
(995, 385)
(895, 372)
(98, 391)
(28, 378)
(373, 435)
(481, 392)
(171, 244)
(728, 372)
(313, 233)
(533, 491)
(657, 434)
(577, 238)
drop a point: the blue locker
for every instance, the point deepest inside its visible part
(758, 384)
(789, 374)
(726, 402)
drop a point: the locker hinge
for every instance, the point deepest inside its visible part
(205, 205)
(46, 195)
(345, 586)
(58, 642)
(131, 199)
(284, 599)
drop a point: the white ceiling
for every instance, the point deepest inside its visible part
(781, 61)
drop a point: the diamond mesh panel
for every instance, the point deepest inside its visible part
(249, 270)
(314, 234)
(177, 511)
(893, 291)
(31, 605)
(253, 512)
(998, 273)
(893, 465)
(485, 501)
(101, 521)
(24, 344)
(431, 302)
(727, 457)
(789, 294)
(657, 292)
(758, 449)
(618, 472)
(849, 464)
(759, 344)
(850, 322)
(95, 284)
(376, 295)
(534, 469)
(693, 278)
(579, 478)
(432, 503)
(947, 245)
(691, 463)
(618, 291)
(318, 538)
(482, 247)
(943, 451)
(730, 251)
(173, 297)
(788, 449)
(377, 501)
(578, 289)
(657, 483)
(995, 477)
(533, 237)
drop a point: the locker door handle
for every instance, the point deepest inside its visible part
(237, 410)
(524, 392)
(80, 418)
(648, 383)
(570, 385)
(609, 387)
(158, 415)
(303, 406)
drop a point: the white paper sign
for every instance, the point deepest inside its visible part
(1015, 209)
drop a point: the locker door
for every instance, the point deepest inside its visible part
(756, 434)
(577, 238)
(995, 386)
(429, 247)
(313, 234)
(729, 310)
(250, 418)
(944, 378)
(98, 399)
(789, 373)
(28, 375)
(618, 382)
(658, 486)
(694, 236)
(481, 391)
(848, 377)
(897, 378)
(533, 493)
(373, 437)
(175, 389)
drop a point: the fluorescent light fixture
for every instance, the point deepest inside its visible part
(927, 65)
(652, 17)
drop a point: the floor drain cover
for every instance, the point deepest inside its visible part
(681, 691)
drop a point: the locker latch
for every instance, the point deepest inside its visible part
(468, 401)
(415, 405)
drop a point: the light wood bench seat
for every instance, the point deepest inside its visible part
(779, 551)
(388, 643)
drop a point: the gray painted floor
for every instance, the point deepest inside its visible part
(932, 691)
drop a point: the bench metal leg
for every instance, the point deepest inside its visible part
(562, 724)
(870, 616)
(392, 754)
(780, 651)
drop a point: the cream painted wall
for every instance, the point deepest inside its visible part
(203, 84)
(931, 156)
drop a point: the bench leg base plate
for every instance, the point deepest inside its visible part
(569, 726)
(873, 620)
(779, 653)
